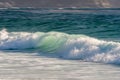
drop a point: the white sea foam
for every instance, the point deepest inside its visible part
(64, 45)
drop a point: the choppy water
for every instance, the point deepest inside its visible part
(50, 43)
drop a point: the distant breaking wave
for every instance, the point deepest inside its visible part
(67, 46)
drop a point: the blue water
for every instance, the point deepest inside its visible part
(85, 37)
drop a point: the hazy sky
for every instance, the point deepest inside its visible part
(60, 3)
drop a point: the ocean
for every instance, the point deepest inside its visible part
(59, 43)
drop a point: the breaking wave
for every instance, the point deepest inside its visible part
(67, 46)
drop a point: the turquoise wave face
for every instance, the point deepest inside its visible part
(63, 45)
(51, 42)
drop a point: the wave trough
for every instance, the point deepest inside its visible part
(67, 46)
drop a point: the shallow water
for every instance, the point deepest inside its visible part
(19, 66)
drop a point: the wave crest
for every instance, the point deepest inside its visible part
(67, 46)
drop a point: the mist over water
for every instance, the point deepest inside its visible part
(60, 3)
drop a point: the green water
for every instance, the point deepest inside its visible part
(94, 23)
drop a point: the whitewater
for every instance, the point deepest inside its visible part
(64, 45)
(59, 44)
